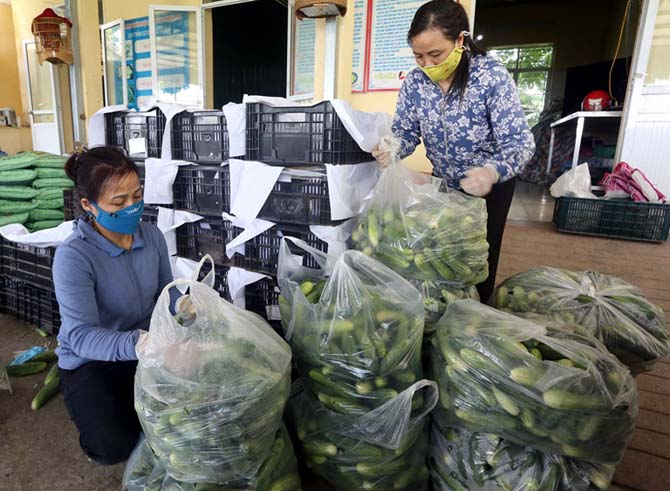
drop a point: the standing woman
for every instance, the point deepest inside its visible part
(464, 105)
(108, 275)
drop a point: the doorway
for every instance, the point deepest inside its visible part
(249, 50)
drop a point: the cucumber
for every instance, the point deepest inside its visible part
(505, 401)
(565, 400)
(47, 356)
(45, 393)
(289, 482)
(51, 375)
(527, 376)
(25, 369)
(322, 448)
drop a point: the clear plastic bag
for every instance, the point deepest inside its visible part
(437, 296)
(144, 472)
(612, 310)
(553, 390)
(410, 224)
(210, 389)
(355, 326)
(384, 449)
(460, 460)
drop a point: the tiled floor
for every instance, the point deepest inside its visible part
(532, 203)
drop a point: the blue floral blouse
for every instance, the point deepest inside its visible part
(487, 127)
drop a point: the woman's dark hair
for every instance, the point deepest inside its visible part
(451, 19)
(92, 169)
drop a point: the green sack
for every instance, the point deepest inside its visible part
(50, 193)
(17, 193)
(47, 172)
(43, 224)
(48, 204)
(20, 177)
(12, 207)
(53, 182)
(19, 161)
(16, 218)
(50, 161)
(40, 214)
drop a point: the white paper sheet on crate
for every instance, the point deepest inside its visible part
(169, 221)
(348, 186)
(51, 237)
(250, 230)
(238, 280)
(251, 184)
(170, 110)
(236, 122)
(366, 128)
(96, 125)
(159, 179)
(336, 237)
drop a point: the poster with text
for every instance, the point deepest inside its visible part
(138, 62)
(360, 45)
(304, 56)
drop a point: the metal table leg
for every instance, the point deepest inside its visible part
(578, 141)
(551, 150)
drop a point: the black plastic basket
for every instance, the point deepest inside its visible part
(71, 204)
(207, 236)
(614, 219)
(262, 298)
(261, 253)
(200, 137)
(220, 279)
(302, 200)
(150, 214)
(300, 135)
(122, 126)
(202, 190)
(28, 264)
(31, 304)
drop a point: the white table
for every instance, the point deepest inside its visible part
(598, 118)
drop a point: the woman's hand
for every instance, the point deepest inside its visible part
(479, 181)
(382, 156)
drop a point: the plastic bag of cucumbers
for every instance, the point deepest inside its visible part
(144, 472)
(614, 311)
(210, 389)
(460, 460)
(550, 389)
(410, 224)
(437, 296)
(355, 326)
(384, 449)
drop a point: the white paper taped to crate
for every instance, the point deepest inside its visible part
(183, 268)
(366, 128)
(348, 186)
(250, 230)
(236, 123)
(250, 184)
(96, 125)
(170, 110)
(335, 237)
(169, 221)
(51, 237)
(159, 177)
(238, 280)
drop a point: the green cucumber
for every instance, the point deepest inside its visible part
(25, 369)
(45, 394)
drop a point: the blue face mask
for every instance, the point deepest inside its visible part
(123, 221)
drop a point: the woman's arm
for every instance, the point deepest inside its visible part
(406, 126)
(75, 291)
(510, 128)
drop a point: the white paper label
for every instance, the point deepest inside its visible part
(273, 312)
(137, 146)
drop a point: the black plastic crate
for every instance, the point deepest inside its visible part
(122, 126)
(262, 298)
(220, 279)
(202, 190)
(302, 200)
(207, 236)
(200, 137)
(614, 219)
(28, 264)
(300, 135)
(261, 253)
(150, 214)
(71, 204)
(31, 304)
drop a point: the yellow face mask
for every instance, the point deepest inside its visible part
(438, 73)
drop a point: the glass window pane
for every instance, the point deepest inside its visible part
(177, 57)
(658, 70)
(506, 56)
(41, 91)
(43, 118)
(532, 88)
(536, 57)
(113, 65)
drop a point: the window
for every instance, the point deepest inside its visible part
(530, 67)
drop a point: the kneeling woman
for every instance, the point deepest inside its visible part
(108, 275)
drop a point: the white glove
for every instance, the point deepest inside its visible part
(382, 156)
(480, 180)
(141, 345)
(185, 311)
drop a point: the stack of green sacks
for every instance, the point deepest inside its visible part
(356, 328)
(16, 192)
(31, 190)
(50, 182)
